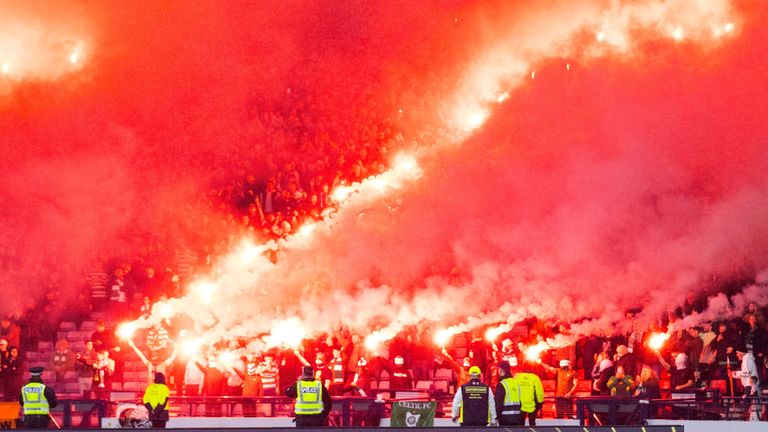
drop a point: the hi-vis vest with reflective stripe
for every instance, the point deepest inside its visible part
(33, 395)
(309, 398)
(511, 396)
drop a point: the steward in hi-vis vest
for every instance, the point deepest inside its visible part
(531, 395)
(36, 400)
(313, 402)
(507, 397)
(156, 401)
(473, 404)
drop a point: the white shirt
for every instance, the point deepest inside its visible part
(748, 369)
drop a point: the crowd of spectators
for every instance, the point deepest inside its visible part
(270, 197)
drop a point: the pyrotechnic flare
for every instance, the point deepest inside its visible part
(286, 333)
(227, 358)
(657, 340)
(191, 347)
(373, 342)
(492, 333)
(533, 352)
(442, 337)
(341, 193)
(126, 330)
(205, 290)
(164, 309)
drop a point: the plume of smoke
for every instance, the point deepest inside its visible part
(575, 197)
(721, 307)
(583, 248)
(36, 44)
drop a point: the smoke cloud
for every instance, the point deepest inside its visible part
(572, 160)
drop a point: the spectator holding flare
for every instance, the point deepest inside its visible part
(461, 370)
(681, 375)
(155, 363)
(566, 381)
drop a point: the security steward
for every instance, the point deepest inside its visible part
(36, 399)
(531, 396)
(156, 401)
(313, 402)
(507, 397)
(473, 404)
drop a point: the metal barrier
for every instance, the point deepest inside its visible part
(634, 411)
(346, 411)
(80, 413)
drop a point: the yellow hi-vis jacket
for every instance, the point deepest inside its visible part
(511, 396)
(531, 391)
(35, 402)
(156, 394)
(309, 398)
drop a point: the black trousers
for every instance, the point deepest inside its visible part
(510, 420)
(36, 421)
(310, 420)
(159, 424)
(531, 418)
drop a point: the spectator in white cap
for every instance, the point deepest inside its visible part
(566, 381)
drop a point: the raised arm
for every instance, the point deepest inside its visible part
(138, 352)
(301, 358)
(663, 362)
(175, 352)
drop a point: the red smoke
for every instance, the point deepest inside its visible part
(629, 180)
